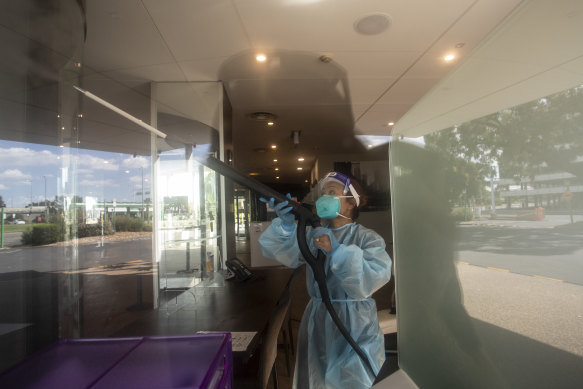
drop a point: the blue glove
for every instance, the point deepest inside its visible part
(283, 212)
(319, 231)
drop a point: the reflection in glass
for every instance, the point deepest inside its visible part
(488, 220)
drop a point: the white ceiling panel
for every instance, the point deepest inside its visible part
(374, 64)
(328, 25)
(199, 29)
(510, 72)
(121, 35)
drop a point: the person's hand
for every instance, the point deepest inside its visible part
(325, 240)
(283, 212)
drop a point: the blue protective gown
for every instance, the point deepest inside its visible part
(358, 267)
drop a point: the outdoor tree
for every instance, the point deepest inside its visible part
(2, 203)
(542, 136)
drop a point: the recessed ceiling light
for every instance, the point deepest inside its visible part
(273, 146)
(276, 169)
(391, 123)
(270, 123)
(372, 24)
(300, 159)
(449, 57)
(262, 116)
(277, 178)
(300, 168)
(275, 160)
(261, 58)
(253, 174)
(306, 181)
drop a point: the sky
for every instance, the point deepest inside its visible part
(26, 167)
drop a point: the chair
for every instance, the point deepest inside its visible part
(267, 365)
(269, 344)
(288, 339)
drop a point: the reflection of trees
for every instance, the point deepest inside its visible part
(542, 136)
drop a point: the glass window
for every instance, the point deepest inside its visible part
(488, 221)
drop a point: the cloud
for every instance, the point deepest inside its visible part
(136, 179)
(3, 187)
(14, 174)
(136, 163)
(98, 183)
(20, 156)
(96, 163)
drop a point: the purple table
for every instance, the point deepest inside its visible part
(195, 361)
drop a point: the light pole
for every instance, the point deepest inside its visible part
(142, 169)
(30, 197)
(46, 205)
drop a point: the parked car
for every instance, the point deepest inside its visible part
(16, 221)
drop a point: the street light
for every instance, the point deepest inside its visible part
(46, 205)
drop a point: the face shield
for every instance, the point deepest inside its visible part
(342, 180)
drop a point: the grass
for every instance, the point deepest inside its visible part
(16, 227)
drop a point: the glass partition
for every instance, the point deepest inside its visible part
(488, 221)
(188, 227)
(75, 187)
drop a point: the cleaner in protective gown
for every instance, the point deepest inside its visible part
(357, 264)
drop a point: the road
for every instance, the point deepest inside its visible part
(552, 248)
(59, 258)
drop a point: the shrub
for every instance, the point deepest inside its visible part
(127, 223)
(41, 234)
(84, 230)
(462, 214)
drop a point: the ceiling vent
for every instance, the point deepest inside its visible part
(372, 24)
(262, 116)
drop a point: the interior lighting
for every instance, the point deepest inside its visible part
(274, 147)
(275, 160)
(449, 57)
(261, 58)
(300, 159)
(253, 174)
(270, 123)
(276, 169)
(391, 123)
(300, 168)
(277, 178)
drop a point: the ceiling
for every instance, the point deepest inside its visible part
(364, 82)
